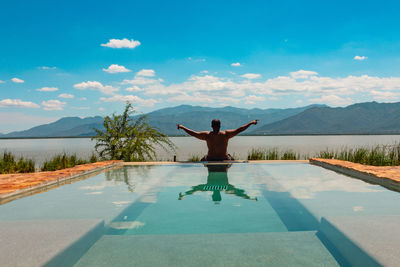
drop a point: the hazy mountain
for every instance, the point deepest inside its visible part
(199, 118)
(68, 126)
(195, 117)
(362, 118)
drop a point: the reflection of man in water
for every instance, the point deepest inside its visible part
(217, 181)
(217, 141)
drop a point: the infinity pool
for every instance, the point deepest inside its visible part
(290, 214)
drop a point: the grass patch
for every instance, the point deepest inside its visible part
(62, 161)
(10, 164)
(195, 158)
(375, 156)
(272, 154)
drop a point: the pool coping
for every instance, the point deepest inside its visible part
(145, 163)
(386, 176)
(58, 178)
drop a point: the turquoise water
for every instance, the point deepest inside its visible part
(216, 215)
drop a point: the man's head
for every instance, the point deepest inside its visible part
(216, 125)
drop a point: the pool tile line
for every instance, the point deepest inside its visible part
(386, 176)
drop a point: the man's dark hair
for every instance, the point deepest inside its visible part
(215, 123)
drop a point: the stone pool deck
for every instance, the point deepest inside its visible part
(387, 176)
(14, 185)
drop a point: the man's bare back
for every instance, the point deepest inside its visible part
(217, 141)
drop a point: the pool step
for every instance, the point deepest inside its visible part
(47, 242)
(249, 249)
(364, 240)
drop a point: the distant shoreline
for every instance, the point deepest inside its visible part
(75, 137)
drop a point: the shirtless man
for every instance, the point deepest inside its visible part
(217, 141)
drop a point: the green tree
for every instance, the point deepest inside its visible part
(129, 139)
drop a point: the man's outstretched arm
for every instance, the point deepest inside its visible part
(199, 135)
(232, 133)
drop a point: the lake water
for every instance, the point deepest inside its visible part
(42, 149)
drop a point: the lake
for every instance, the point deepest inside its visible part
(42, 149)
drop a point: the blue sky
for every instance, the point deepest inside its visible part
(86, 58)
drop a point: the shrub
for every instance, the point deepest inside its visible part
(9, 164)
(129, 139)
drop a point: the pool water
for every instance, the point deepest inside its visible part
(197, 215)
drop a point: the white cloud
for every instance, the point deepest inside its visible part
(305, 83)
(47, 68)
(302, 74)
(95, 85)
(82, 98)
(332, 100)
(123, 43)
(191, 98)
(204, 71)
(101, 109)
(47, 89)
(130, 98)
(251, 76)
(360, 58)
(53, 105)
(2, 81)
(237, 64)
(252, 99)
(196, 59)
(17, 80)
(146, 72)
(115, 68)
(385, 95)
(134, 89)
(66, 96)
(17, 103)
(142, 81)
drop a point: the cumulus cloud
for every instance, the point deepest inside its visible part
(251, 76)
(2, 81)
(146, 72)
(237, 64)
(142, 81)
(123, 43)
(332, 100)
(53, 105)
(134, 89)
(115, 68)
(385, 95)
(47, 68)
(196, 97)
(17, 103)
(305, 83)
(47, 89)
(95, 85)
(360, 58)
(82, 98)
(252, 99)
(130, 98)
(302, 74)
(66, 96)
(17, 80)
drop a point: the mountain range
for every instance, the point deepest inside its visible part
(362, 118)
